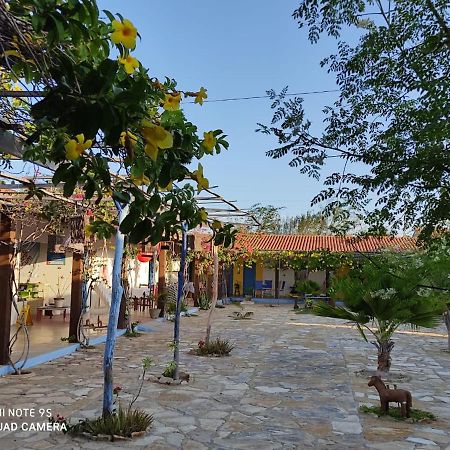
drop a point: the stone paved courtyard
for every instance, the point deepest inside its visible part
(289, 384)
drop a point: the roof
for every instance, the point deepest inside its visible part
(338, 244)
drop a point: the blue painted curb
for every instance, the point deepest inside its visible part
(60, 352)
(144, 328)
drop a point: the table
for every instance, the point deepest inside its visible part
(51, 308)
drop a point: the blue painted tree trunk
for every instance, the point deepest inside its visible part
(116, 298)
(176, 328)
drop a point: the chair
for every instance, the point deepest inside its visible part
(258, 287)
(267, 286)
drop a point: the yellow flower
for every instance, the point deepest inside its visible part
(216, 224)
(74, 148)
(130, 64)
(140, 180)
(201, 95)
(156, 137)
(172, 102)
(209, 141)
(124, 33)
(202, 182)
(127, 139)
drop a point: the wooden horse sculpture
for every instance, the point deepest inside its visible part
(392, 395)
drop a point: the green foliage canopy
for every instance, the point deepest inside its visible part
(385, 292)
(392, 114)
(108, 126)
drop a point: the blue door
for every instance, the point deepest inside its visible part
(249, 279)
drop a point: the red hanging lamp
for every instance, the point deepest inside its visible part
(143, 258)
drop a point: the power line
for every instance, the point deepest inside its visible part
(10, 93)
(256, 97)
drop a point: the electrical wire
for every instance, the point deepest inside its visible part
(257, 97)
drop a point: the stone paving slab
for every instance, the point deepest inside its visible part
(290, 383)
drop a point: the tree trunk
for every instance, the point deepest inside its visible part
(76, 293)
(116, 297)
(384, 356)
(7, 235)
(176, 327)
(447, 324)
(161, 298)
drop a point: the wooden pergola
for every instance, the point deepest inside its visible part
(17, 186)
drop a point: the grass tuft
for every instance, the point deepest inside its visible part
(417, 415)
(131, 334)
(123, 422)
(218, 347)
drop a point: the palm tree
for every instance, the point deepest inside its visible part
(381, 296)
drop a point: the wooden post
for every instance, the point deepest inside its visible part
(277, 282)
(76, 293)
(195, 281)
(161, 281)
(6, 273)
(214, 295)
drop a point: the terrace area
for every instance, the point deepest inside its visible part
(289, 383)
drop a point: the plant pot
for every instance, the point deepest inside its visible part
(154, 312)
(59, 302)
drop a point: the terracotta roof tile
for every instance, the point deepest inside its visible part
(340, 244)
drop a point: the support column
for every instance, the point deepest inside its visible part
(277, 282)
(124, 321)
(214, 295)
(176, 328)
(6, 273)
(161, 281)
(76, 293)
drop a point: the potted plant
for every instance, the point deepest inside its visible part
(154, 310)
(61, 287)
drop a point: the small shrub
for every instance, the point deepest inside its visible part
(306, 287)
(417, 415)
(124, 422)
(242, 315)
(172, 306)
(133, 331)
(218, 347)
(170, 369)
(204, 302)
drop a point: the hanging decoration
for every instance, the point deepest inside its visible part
(143, 258)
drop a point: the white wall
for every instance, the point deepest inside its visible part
(318, 277)
(288, 277)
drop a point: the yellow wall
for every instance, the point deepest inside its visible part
(238, 275)
(259, 271)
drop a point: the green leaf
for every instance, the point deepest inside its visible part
(69, 186)
(122, 197)
(129, 222)
(154, 203)
(60, 173)
(109, 15)
(140, 231)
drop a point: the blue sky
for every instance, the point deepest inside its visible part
(237, 49)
